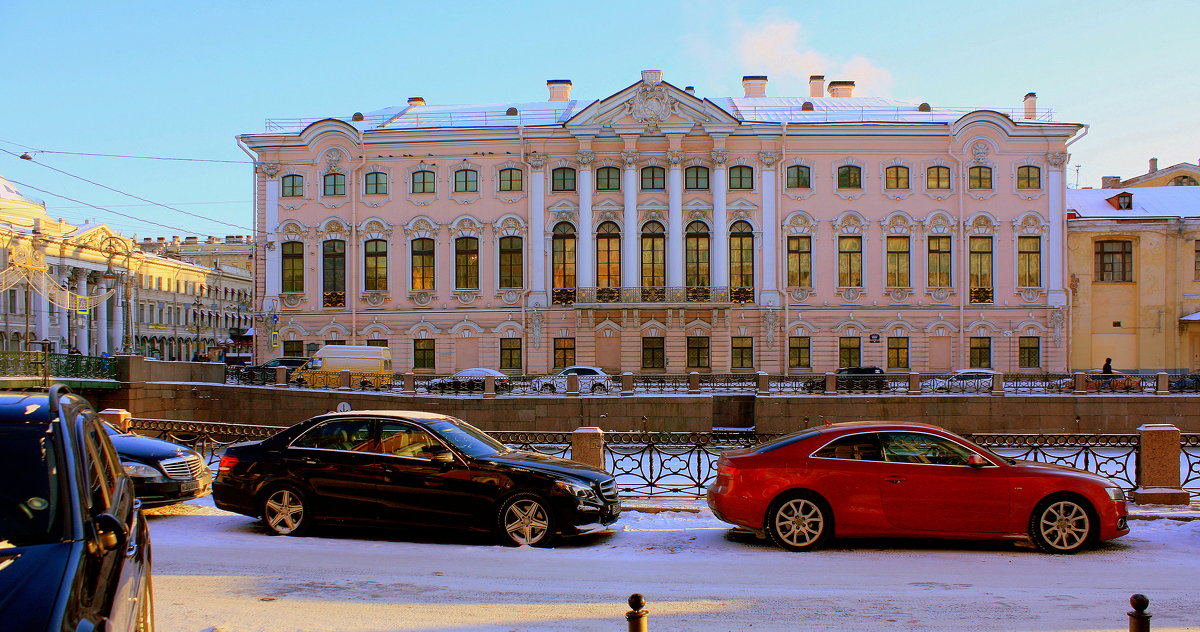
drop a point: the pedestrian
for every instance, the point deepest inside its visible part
(1107, 370)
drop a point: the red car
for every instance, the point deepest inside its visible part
(894, 479)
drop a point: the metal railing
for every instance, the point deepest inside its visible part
(1110, 455)
(62, 365)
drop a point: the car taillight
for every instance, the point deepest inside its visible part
(228, 461)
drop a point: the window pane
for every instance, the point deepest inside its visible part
(335, 184)
(333, 259)
(742, 356)
(466, 181)
(1029, 261)
(897, 262)
(697, 352)
(653, 353)
(293, 266)
(799, 352)
(511, 180)
(849, 351)
(897, 351)
(563, 257)
(466, 263)
(1114, 261)
(510, 354)
(375, 265)
(980, 261)
(423, 354)
(937, 178)
(799, 261)
(1030, 352)
(981, 353)
(849, 177)
(564, 352)
(422, 182)
(897, 177)
(696, 177)
(798, 177)
(850, 261)
(939, 261)
(376, 183)
(741, 255)
(653, 255)
(422, 264)
(608, 179)
(562, 179)
(292, 186)
(980, 178)
(511, 262)
(608, 256)
(741, 177)
(696, 255)
(1029, 177)
(654, 178)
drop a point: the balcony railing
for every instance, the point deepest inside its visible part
(334, 299)
(982, 295)
(691, 295)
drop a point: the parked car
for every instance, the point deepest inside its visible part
(163, 473)
(369, 365)
(962, 381)
(469, 381)
(894, 479)
(592, 379)
(1185, 383)
(853, 378)
(285, 361)
(411, 468)
(74, 546)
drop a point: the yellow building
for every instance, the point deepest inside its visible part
(1182, 174)
(1134, 262)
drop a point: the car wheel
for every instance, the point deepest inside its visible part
(285, 512)
(145, 620)
(548, 388)
(599, 388)
(799, 522)
(1062, 524)
(525, 519)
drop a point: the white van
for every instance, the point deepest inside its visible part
(373, 364)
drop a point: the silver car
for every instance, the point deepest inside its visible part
(592, 379)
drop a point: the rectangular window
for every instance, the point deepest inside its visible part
(799, 352)
(511, 262)
(1196, 269)
(981, 352)
(293, 186)
(897, 262)
(695, 178)
(423, 354)
(293, 348)
(849, 351)
(697, 352)
(799, 261)
(1029, 261)
(562, 179)
(742, 352)
(333, 263)
(422, 182)
(850, 261)
(564, 352)
(937, 178)
(293, 266)
(979, 178)
(653, 353)
(510, 354)
(334, 342)
(466, 181)
(422, 264)
(335, 184)
(375, 265)
(1030, 353)
(939, 261)
(654, 178)
(980, 261)
(1114, 261)
(849, 177)
(1029, 177)
(511, 180)
(897, 353)
(466, 263)
(376, 183)
(896, 178)
(377, 342)
(798, 177)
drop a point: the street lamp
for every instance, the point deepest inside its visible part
(197, 305)
(117, 247)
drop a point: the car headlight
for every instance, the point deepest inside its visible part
(583, 492)
(1115, 493)
(139, 470)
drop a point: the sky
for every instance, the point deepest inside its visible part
(180, 80)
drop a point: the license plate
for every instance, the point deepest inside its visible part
(189, 486)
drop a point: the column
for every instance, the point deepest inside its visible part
(630, 270)
(585, 252)
(102, 321)
(273, 252)
(770, 231)
(719, 251)
(675, 263)
(64, 314)
(537, 231)
(117, 340)
(1056, 244)
(41, 313)
(82, 324)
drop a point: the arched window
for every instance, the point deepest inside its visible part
(563, 256)
(799, 177)
(654, 178)
(293, 266)
(466, 181)
(1182, 181)
(654, 241)
(562, 179)
(1029, 177)
(335, 184)
(937, 178)
(741, 177)
(422, 182)
(608, 179)
(849, 177)
(422, 264)
(695, 178)
(696, 255)
(466, 263)
(333, 269)
(375, 183)
(741, 255)
(896, 177)
(511, 180)
(292, 186)
(979, 178)
(608, 255)
(512, 257)
(375, 265)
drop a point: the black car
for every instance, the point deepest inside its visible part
(265, 373)
(411, 468)
(163, 473)
(854, 378)
(74, 547)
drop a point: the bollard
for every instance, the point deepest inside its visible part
(489, 386)
(1158, 466)
(636, 617)
(1139, 619)
(118, 418)
(1162, 384)
(763, 384)
(343, 380)
(693, 382)
(573, 384)
(281, 376)
(587, 446)
(997, 385)
(1080, 384)
(830, 384)
(410, 383)
(626, 383)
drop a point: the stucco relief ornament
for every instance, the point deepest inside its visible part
(771, 324)
(980, 150)
(536, 320)
(291, 300)
(899, 294)
(651, 103)
(607, 216)
(768, 158)
(269, 169)
(1057, 320)
(850, 293)
(536, 160)
(466, 297)
(629, 157)
(422, 298)
(333, 161)
(940, 294)
(800, 294)
(1057, 158)
(585, 156)
(698, 215)
(510, 296)
(674, 156)
(375, 299)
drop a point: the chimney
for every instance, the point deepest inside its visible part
(841, 89)
(1031, 106)
(1110, 182)
(755, 86)
(816, 86)
(1153, 165)
(690, 89)
(560, 89)
(416, 101)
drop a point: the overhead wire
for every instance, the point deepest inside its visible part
(101, 208)
(80, 153)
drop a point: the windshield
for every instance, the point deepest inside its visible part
(467, 438)
(30, 511)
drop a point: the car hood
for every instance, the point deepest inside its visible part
(538, 462)
(1037, 467)
(147, 449)
(30, 580)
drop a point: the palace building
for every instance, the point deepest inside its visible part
(659, 231)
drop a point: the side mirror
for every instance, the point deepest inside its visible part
(976, 460)
(444, 457)
(110, 532)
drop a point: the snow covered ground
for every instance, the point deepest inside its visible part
(219, 572)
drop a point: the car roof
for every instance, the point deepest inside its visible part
(26, 408)
(881, 425)
(398, 414)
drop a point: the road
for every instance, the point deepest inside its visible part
(220, 572)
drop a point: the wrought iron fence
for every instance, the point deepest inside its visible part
(1119, 383)
(206, 437)
(1110, 455)
(1039, 382)
(1189, 383)
(62, 365)
(1189, 463)
(669, 463)
(552, 443)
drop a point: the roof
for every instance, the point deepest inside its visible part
(1148, 202)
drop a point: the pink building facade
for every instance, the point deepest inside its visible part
(658, 231)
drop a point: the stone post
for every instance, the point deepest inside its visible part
(343, 380)
(830, 384)
(914, 383)
(1163, 384)
(489, 386)
(410, 383)
(764, 384)
(281, 376)
(1080, 384)
(693, 383)
(573, 384)
(626, 384)
(118, 418)
(1158, 466)
(587, 446)
(998, 384)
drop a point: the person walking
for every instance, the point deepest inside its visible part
(1107, 370)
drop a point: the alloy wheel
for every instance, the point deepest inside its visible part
(1063, 527)
(799, 524)
(284, 512)
(526, 521)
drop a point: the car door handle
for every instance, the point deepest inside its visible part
(895, 480)
(308, 460)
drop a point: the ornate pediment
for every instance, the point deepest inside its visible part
(650, 102)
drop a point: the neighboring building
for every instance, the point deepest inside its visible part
(657, 231)
(73, 285)
(1182, 174)
(213, 252)
(1134, 258)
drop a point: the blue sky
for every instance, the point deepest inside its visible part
(180, 80)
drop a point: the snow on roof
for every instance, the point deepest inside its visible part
(1147, 202)
(9, 191)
